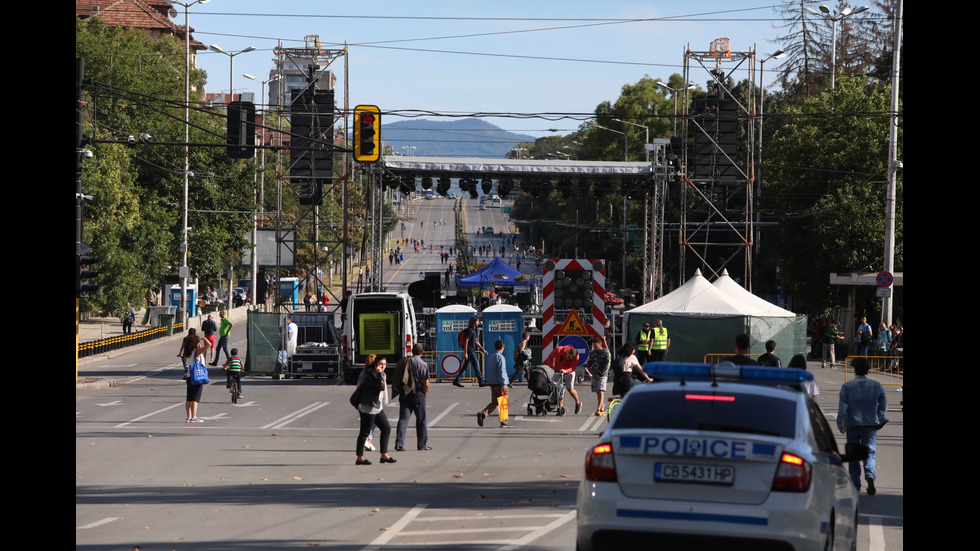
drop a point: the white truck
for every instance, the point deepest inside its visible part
(383, 324)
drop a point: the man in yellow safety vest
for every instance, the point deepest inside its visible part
(643, 341)
(660, 344)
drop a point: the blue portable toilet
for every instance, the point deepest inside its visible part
(450, 320)
(289, 291)
(503, 322)
(191, 299)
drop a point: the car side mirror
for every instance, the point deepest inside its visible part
(855, 452)
(420, 329)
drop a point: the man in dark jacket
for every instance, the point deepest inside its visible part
(412, 384)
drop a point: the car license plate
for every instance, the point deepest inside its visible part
(703, 474)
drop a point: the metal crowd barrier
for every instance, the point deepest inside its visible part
(102, 346)
(431, 356)
(715, 358)
(887, 370)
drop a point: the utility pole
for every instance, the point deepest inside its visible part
(893, 165)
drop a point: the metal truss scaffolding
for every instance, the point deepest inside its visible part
(717, 209)
(324, 237)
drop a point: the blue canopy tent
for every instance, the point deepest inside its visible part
(495, 273)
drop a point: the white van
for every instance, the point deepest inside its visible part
(378, 323)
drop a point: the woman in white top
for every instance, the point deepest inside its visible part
(623, 382)
(799, 361)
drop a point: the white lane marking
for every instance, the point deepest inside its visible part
(121, 425)
(135, 378)
(283, 421)
(443, 414)
(594, 420)
(541, 531)
(398, 528)
(106, 520)
(876, 533)
(487, 517)
(395, 528)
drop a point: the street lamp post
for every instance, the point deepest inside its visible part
(762, 101)
(187, 149)
(626, 149)
(646, 130)
(826, 14)
(231, 71)
(260, 205)
(231, 99)
(673, 92)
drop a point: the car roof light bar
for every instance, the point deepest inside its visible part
(727, 371)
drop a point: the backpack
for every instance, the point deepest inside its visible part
(521, 358)
(621, 379)
(619, 367)
(462, 338)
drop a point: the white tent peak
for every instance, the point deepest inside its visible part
(750, 303)
(696, 297)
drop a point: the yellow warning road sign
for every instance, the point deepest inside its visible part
(573, 325)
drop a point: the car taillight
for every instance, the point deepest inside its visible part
(408, 345)
(600, 465)
(793, 474)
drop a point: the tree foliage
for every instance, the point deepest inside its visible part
(134, 222)
(826, 168)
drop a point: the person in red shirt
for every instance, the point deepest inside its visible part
(565, 364)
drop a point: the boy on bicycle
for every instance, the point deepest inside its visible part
(234, 368)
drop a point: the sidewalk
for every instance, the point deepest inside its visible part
(94, 329)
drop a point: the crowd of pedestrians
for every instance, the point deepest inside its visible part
(884, 348)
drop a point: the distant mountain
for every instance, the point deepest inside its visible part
(456, 138)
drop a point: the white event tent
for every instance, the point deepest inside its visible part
(703, 318)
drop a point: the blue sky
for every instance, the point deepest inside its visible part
(502, 56)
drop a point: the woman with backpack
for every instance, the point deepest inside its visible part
(598, 368)
(626, 369)
(522, 359)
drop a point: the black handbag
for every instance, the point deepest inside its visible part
(355, 398)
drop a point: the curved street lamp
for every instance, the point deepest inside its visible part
(674, 91)
(626, 149)
(762, 101)
(231, 72)
(187, 149)
(254, 264)
(646, 129)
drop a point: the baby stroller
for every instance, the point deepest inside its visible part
(545, 393)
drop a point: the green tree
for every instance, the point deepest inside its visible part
(825, 182)
(644, 104)
(134, 222)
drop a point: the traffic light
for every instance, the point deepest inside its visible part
(241, 130)
(469, 185)
(442, 186)
(367, 133)
(407, 185)
(84, 272)
(487, 186)
(505, 187)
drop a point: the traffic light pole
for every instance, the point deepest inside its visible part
(79, 76)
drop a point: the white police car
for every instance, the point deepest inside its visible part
(718, 457)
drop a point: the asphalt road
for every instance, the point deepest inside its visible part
(276, 470)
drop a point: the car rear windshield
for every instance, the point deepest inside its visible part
(709, 411)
